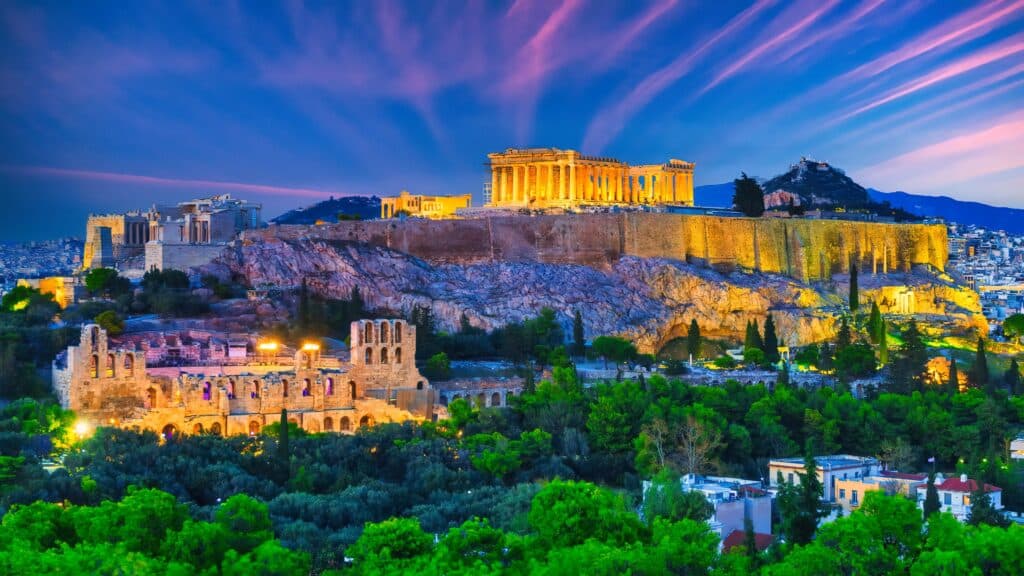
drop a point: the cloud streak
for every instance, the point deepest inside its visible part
(144, 180)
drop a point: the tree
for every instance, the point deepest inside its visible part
(979, 376)
(579, 344)
(883, 343)
(665, 498)
(931, 499)
(566, 513)
(438, 367)
(801, 505)
(982, 511)
(100, 279)
(693, 339)
(855, 360)
(246, 521)
(1013, 326)
(875, 323)
(283, 449)
(111, 322)
(613, 348)
(844, 337)
(748, 197)
(356, 307)
(854, 296)
(304, 313)
(1012, 378)
(753, 356)
(953, 386)
(908, 369)
(771, 341)
(698, 440)
(753, 336)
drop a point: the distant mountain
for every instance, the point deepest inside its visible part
(365, 207)
(997, 217)
(819, 184)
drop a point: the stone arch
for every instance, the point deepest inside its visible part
(151, 398)
(129, 364)
(215, 428)
(481, 400)
(496, 399)
(384, 332)
(306, 387)
(328, 424)
(254, 391)
(314, 426)
(254, 428)
(368, 356)
(366, 421)
(383, 355)
(352, 389)
(169, 432)
(398, 355)
(94, 337)
(197, 429)
(284, 387)
(329, 387)
(419, 384)
(344, 424)
(94, 366)
(207, 390)
(398, 332)
(293, 420)
(111, 361)
(368, 333)
(231, 389)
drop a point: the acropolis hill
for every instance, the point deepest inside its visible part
(644, 275)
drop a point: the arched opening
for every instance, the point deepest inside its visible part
(419, 384)
(254, 390)
(398, 355)
(197, 429)
(207, 390)
(344, 424)
(284, 388)
(368, 333)
(129, 364)
(254, 428)
(151, 398)
(329, 387)
(495, 399)
(215, 428)
(383, 355)
(231, 389)
(110, 365)
(398, 332)
(169, 432)
(352, 389)
(305, 387)
(94, 366)
(481, 400)
(94, 336)
(328, 424)
(366, 421)
(384, 332)
(314, 426)
(293, 420)
(368, 357)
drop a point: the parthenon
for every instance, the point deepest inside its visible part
(554, 178)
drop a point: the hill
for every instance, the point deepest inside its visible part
(819, 184)
(997, 217)
(365, 207)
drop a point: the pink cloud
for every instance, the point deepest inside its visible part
(772, 40)
(143, 180)
(846, 25)
(609, 121)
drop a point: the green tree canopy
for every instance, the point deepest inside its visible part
(748, 197)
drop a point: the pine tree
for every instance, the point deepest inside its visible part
(750, 540)
(753, 338)
(1012, 377)
(693, 339)
(883, 343)
(908, 368)
(801, 505)
(982, 511)
(875, 323)
(854, 296)
(771, 341)
(783, 379)
(979, 376)
(844, 338)
(931, 499)
(579, 344)
(953, 387)
(283, 450)
(355, 304)
(748, 197)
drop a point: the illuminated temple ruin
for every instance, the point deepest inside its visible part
(554, 178)
(194, 383)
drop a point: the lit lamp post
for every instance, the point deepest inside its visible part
(267, 349)
(81, 429)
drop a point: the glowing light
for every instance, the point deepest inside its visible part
(311, 347)
(81, 428)
(20, 305)
(267, 346)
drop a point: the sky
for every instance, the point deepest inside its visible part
(107, 107)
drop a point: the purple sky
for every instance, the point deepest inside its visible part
(112, 106)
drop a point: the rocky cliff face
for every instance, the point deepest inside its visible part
(649, 299)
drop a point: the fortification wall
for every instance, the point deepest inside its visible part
(807, 250)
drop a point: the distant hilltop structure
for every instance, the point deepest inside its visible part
(168, 236)
(553, 178)
(417, 205)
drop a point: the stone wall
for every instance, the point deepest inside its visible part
(161, 256)
(806, 250)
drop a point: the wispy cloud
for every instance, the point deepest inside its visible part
(815, 39)
(609, 121)
(188, 183)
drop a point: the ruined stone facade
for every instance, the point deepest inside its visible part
(110, 385)
(421, 206)
(540, 178)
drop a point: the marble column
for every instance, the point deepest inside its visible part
(495, 192)
(515, 184)
(549, 193)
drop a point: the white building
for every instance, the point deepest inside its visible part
(829, 470)
(734, 500)
(955, 496)
(1017, 449)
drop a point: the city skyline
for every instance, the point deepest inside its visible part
(117, 107)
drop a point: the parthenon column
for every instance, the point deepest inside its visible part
(495, 193)
(549, 193)
(515, 184)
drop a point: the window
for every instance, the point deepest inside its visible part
(398, 354)
(947, 499)
(330, 387)
(853, 498)
(790, 477)
(398, 332)
(842, 493)
(284, 388)
(369, 355)
(207, 388)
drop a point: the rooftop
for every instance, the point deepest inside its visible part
(827, 462)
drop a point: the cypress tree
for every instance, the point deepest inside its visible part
(854, 295)
(753, 338)
(979, 372)
(1013, 377)
(283, 450)
(883, 343)
(771, 341)
(579, 344)
(355, 304)
(844, 338)
(748, 196)
(875, 323)
(693, 339)
(931, 499)
(953, 387)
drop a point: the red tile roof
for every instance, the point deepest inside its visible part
(736, 539)
(956, 485)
